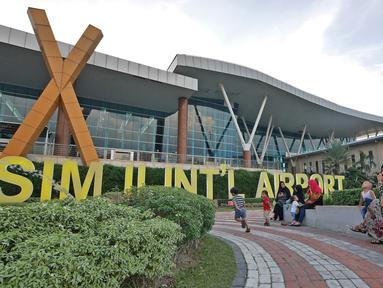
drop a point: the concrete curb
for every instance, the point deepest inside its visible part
(241, 274)
(332, 218)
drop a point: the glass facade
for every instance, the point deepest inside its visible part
(211, 131)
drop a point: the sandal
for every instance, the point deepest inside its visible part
(353, 229)
(376, 242)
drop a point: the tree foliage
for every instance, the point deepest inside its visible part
(336, 155)
(366, 163)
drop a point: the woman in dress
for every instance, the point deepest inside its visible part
(298, 191)
(314, 194)
(373, 221)
(282, 196)
(366, 197)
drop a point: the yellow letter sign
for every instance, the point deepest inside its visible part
(26, 186)
(70, 168)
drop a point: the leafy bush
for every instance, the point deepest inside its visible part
(195, 214)
(93, 243)
(348, 197)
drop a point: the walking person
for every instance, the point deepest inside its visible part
(240, 210)
(266, 207)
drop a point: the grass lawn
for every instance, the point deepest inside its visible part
(214, 266)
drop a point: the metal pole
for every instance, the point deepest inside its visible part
(1, 107)
(46, 141)
(287, 148)
(268, 134)
(252, 144)
(232, 115)
(302, 139)
(284, 142)
(332, 135)
(311, 140)
(257, 120)
(267, 144)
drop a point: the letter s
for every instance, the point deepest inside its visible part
(26, 186)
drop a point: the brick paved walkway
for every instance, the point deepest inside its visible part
(283, 256)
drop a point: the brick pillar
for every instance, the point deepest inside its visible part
(63, 136)
(182, 129)
(247, 159)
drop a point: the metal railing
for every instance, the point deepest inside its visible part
(50, 149)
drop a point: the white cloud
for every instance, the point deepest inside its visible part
(152, 32)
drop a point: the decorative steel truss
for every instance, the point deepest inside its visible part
(59, 90)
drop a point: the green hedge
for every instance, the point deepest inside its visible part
(113, 179)
(92, 243)
(348, 197)
(194, 213)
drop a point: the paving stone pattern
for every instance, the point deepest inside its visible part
(363, 252)
(262, 271)
(325, 260)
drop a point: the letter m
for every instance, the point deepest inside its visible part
(70, 171)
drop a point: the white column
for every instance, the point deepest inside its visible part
(311, 141)
(267, 138)
(287, 147)
(233, 116)
(267, 144)
(332, 136)
(257, 121)
(245, 145)
(252, 144)
(302, 139)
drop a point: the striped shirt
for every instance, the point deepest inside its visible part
(238, 199)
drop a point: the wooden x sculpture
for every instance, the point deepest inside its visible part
(59, 90)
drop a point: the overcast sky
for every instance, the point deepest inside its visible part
(330, 48)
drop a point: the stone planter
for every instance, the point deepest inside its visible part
(334, 218)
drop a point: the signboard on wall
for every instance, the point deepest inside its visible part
(173, 175)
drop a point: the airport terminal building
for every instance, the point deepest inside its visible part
(199, 111)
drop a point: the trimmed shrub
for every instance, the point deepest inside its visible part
(348, 197)
(195, 214)
(92, 243)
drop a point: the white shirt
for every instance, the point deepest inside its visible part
(366, 195)
(294, 206)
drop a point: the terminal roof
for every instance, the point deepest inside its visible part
(105, 78)
(291, 107)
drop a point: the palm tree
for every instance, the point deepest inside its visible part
(366, 163)
(336, 154)
(354, 177)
